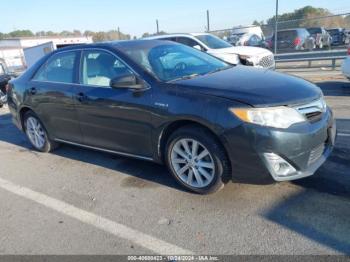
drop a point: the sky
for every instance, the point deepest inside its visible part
(136, 16)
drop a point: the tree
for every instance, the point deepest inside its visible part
(20, 33)
(308, 16)
(66, 33)
(77, 32)
(255, 22)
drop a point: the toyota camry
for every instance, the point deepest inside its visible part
(209, 121)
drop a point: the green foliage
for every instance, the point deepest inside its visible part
(18, 33)
(148, 34)
(96, 36)
(309, 16)
(108, 36)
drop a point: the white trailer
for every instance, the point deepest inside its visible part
(34, 53)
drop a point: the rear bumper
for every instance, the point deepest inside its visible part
(304, 146)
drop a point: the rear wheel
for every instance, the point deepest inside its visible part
(197, 160)
(37, 133)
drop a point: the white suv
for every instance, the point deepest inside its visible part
(246, 55)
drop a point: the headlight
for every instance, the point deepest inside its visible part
(248, 60)
(278, 117)
(229, 58)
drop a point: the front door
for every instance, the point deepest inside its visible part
(112, 119)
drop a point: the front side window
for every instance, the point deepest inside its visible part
(100, 67)
(59, 68)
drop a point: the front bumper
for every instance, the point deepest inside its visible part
(304, 146)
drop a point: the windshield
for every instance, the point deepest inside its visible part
(170, 62)
(314, 31)
(333, 31)
(213, 42)
(286, 35)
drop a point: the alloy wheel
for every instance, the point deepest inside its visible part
(192, 163)
(35, 132)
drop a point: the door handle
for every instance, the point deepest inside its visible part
(33, 90)
(81, 97)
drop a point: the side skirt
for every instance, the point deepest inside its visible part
(105, 150)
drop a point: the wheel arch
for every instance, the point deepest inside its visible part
(21, 114)
(169, 129)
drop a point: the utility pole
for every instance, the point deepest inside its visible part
(119, 38)
(276, 26)
(157, 27)
(208, 21)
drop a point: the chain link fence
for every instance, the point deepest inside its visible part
(331, 32)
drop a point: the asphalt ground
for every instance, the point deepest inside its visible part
(76, 201)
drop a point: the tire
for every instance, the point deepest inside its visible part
(33, 127)
(205, 173)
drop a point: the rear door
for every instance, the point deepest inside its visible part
(50, 94)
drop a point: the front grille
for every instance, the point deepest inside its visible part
(316, 153)
(313, 111)
(267, 61)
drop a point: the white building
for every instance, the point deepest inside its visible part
(11, 49)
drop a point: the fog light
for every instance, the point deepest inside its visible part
(278, 166)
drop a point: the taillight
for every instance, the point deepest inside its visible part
(349, 51)
(297, 41)
(7, 88)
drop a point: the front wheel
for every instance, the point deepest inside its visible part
(197, 160)
(37, 133)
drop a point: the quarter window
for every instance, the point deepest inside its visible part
(100, 67)
(59, 68)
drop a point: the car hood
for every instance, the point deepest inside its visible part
(255, 87)
(241, 50)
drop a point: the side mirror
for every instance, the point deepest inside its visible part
(198, 47)
(127, 80)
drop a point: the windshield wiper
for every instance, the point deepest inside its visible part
(184, 77)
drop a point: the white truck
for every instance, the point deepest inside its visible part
(34, 53)
(36, 48)
(246, 55)
(238, 32)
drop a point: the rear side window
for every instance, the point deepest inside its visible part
(59, 68)
(286, 35)
(187, 41)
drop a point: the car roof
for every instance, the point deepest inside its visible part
(175, 35)
(117, 44)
